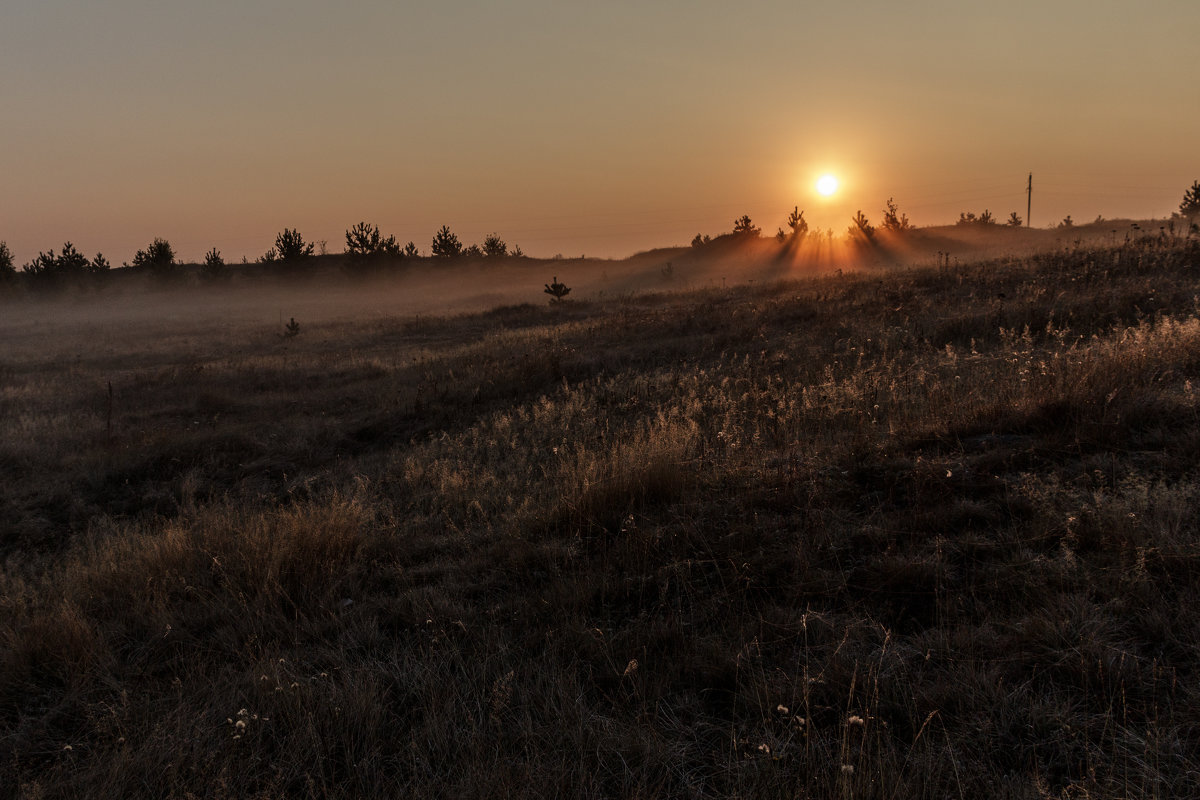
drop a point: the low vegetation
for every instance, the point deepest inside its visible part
(894, 534)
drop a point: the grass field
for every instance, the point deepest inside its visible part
(917, 533)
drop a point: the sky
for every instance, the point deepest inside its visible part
(596, 129)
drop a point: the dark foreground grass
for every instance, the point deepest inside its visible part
(925, 534)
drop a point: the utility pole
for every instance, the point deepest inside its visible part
(1029, 202)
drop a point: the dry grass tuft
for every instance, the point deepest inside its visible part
(918, 533)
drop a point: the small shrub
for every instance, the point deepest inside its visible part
(292, 329)
(556, 290)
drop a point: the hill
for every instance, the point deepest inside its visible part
(910, 533)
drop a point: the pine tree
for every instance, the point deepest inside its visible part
(797, 223)
(744, 227)
(1190, 206)
(158, 259)
(893, 220)
(446, 244)
(365, 247)
(862, 227)
(494, 246)
(214, 268)
(556, 290)
(7, 270)
(291, 247)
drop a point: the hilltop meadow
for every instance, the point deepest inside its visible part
(706, 528)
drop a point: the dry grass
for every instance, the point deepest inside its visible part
(925, 533)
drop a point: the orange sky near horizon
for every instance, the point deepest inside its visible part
(597, 129)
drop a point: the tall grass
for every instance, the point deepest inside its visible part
(922, 533)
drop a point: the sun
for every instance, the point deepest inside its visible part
(827, 185)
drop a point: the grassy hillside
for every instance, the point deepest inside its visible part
(923, 534)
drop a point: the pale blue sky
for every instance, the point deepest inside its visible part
(578, 128)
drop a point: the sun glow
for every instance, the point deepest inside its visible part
(827, 185)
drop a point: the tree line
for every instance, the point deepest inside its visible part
(367, 250)
(896, 222)
(797, 231)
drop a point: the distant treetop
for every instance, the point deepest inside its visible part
(1191, 201)
(291, 247)
(744, 227)
(7, 270)
(365, 247)
(446, 244)
(158, 258)
(893, 220)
